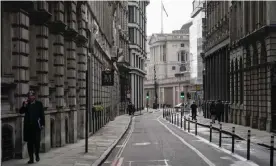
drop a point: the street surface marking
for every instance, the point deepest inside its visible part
(120, 161)
(119, 153)
(249, 163)
(187, 144)
(119, 146)
(142, 144)
(227, 158)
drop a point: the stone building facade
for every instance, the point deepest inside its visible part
(250, 60)
(137, 50)
(216, 58)
(59, 50)
(170, 58)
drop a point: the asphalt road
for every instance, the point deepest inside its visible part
(152, 141)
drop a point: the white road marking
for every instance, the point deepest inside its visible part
(228, 158)
(119, 146)
(249, 163)
(120, 161)
(126, 140)
(142, 144)
(166, 162)
(187, 144)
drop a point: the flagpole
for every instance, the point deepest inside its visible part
(161, 17)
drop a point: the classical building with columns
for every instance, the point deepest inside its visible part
(247, 80)
(169, 62)
(59, 49)
(137, 21)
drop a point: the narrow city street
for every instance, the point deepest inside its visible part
(151, 140)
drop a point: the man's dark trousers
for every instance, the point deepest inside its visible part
(33, 143)
(194, 115)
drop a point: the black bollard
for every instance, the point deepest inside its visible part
(181, 123)
(233, 139)
(177, 119)
(248, 145)
(220, 131)
(188, 124)
(184, 123)
(272, 150)
(172, 118)
(195, 127)
(210, 139)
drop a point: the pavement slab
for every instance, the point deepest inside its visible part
(100, 144)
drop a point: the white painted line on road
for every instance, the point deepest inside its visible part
(187, 144)
(118, 155)
(142, 144)
(221, 149)
(166, 162)
(120, 161)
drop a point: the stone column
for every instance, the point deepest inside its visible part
(42, 46)
(270, 49)
(72, 79)
(174, 96)
(59, 84)
(132, 88)
(20, 68)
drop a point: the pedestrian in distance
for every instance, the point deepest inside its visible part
(34, 122)
(194, 110)
(129, 108)
(213, 111)
(219, 109)
(133, 109)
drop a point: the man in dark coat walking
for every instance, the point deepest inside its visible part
(219, 110)
(34, 122)
(194, 110)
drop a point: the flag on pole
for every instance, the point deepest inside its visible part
(164, 9)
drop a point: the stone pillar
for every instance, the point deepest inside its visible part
(72, 79)
(59, 84)
(270, 49)
(42, 33)
(174, 102)
(132, 88)
(20, 67)
(82, 59)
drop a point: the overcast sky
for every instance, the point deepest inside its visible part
(179, 12)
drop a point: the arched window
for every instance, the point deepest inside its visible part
(182, 67)
(182, 56)
(7, 142)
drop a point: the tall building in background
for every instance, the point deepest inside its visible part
(137, 50)
(169, 62)
(240, 61)
(196, 48)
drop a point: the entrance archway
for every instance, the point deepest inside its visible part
(7, 142)
(66, 131)
(52, 133)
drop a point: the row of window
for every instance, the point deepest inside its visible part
(136, 37)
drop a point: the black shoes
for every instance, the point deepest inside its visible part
(30, 161)
(37, 158)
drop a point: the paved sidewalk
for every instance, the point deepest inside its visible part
(257, 136)
(99, 145)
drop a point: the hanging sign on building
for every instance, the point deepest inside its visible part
(107, 78)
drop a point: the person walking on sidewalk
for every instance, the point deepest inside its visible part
(129, 108)
(34, 122)
(213, 111)
(219, 109)
(194, 110)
